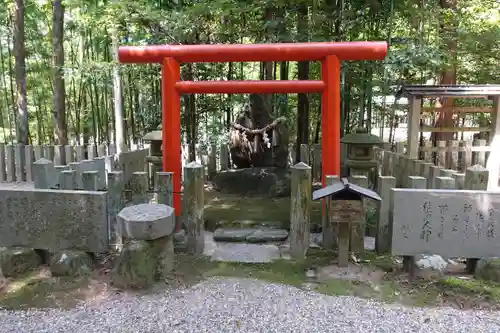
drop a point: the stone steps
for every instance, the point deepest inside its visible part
(250, 231)
(250, 235)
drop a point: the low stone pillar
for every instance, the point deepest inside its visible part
(101, 150)
(192, 208)
(59, 155)
(38, 151)
(385, 184)
(11, 163)
(476, 178)
(91, 152)
(300, 210)
(90, 180)
(3, 174)
(48, 152)
(80, 153)
(304, 153)
(165, 188)
(68, 154)
(139, 185)
(20, 162)
(224, 157)
(212, 162)
(28, 155)
(148, 250)
(67, 180)
(115, 205)
(44, 174)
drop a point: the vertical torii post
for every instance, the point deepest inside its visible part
(171, 57)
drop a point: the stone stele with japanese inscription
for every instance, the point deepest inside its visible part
(446, 222)
(54, 220)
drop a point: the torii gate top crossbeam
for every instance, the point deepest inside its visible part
(253, 52)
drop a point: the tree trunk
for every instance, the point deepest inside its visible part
(303, 74)
(58, 99)
(20, 69)
(448, 31)
(117, 95)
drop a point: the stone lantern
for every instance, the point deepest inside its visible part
(360, 156)
(155, 140)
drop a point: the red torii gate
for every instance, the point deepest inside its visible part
(171, 56)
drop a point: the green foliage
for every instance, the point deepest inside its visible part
(418, 53)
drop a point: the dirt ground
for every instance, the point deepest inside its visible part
(369, 275)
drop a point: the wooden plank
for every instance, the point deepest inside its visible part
(457, 109)
(454, 129)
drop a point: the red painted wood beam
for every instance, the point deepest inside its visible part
(253, 52)
(249, 87)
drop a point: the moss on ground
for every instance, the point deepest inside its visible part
(227, 207)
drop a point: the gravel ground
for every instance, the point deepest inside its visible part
(244, 305)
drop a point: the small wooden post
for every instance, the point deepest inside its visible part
(300, 210)
(192, 208)
(358, 229)
(328, 225)
(317, 163)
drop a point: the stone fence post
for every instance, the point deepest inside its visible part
(224, 157)
(165, 188)
(115, 205)
(476, 178)
(192, 208)
(385, 184)
(300, 210)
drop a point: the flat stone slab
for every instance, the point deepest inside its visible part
(246, 253)
(232, 235)
(267, 235)
(147, 221)
(249, 224)
(251, 235)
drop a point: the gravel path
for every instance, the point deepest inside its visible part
(241, 305)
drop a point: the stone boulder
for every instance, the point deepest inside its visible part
(488, 270)
(70, 263)
(15, 261)
(265, 181)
